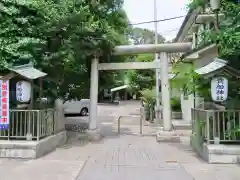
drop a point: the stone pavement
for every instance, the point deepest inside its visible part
(118, 157)
(131, 157)
(59, 165)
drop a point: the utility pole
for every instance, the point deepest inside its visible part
(157, 108)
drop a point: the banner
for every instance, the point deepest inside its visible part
(4, 104)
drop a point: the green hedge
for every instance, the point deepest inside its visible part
(176, 104)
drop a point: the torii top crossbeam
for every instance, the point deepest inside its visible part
(152, 48)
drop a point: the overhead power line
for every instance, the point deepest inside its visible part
(160, 20)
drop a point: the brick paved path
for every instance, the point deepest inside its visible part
(127, 156)
(116, 158)
(131, 157)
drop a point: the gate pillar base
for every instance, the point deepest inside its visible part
(168, 136)
(94, 134)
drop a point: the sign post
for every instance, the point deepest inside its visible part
(4, 104)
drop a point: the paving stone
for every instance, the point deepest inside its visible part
(126, 156)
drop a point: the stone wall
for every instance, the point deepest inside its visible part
(187, 103)
(31, 149)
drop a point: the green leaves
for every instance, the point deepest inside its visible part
(149, 95)
(228, 39)
(141, 79)
(193, 4)
(60, 37)
(144, 36)
(184, 79)
(189, 81)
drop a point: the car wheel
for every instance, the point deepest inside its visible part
(84, 112)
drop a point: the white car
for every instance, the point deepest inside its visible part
(77, 107)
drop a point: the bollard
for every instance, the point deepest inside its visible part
(119, 124)
(142, 115)
(141, 119)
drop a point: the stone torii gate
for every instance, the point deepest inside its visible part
(164, 49)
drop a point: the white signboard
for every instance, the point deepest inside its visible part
(23, 91)
(219, 89)
(4, 104)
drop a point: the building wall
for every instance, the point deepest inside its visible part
(197, 32)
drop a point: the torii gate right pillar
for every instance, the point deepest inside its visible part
(165, 89)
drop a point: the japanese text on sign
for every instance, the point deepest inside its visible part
(4, 104)
(19, 91)
(220, 89)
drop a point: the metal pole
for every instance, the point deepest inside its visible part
(141, 119)
(157, 108)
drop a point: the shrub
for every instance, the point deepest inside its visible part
(176, 104)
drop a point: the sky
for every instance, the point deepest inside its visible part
(142, 10)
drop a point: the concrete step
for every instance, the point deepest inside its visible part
(182, 126)
(81, 123)
(178, 125)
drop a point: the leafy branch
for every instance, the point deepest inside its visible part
(194, 4)
(189, 81)
(184, 79)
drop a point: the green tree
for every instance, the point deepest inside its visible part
(228, 38)
(144, 36)
(188, 81)
(141, 79)
(61, 38)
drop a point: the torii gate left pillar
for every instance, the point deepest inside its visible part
(94, 131)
